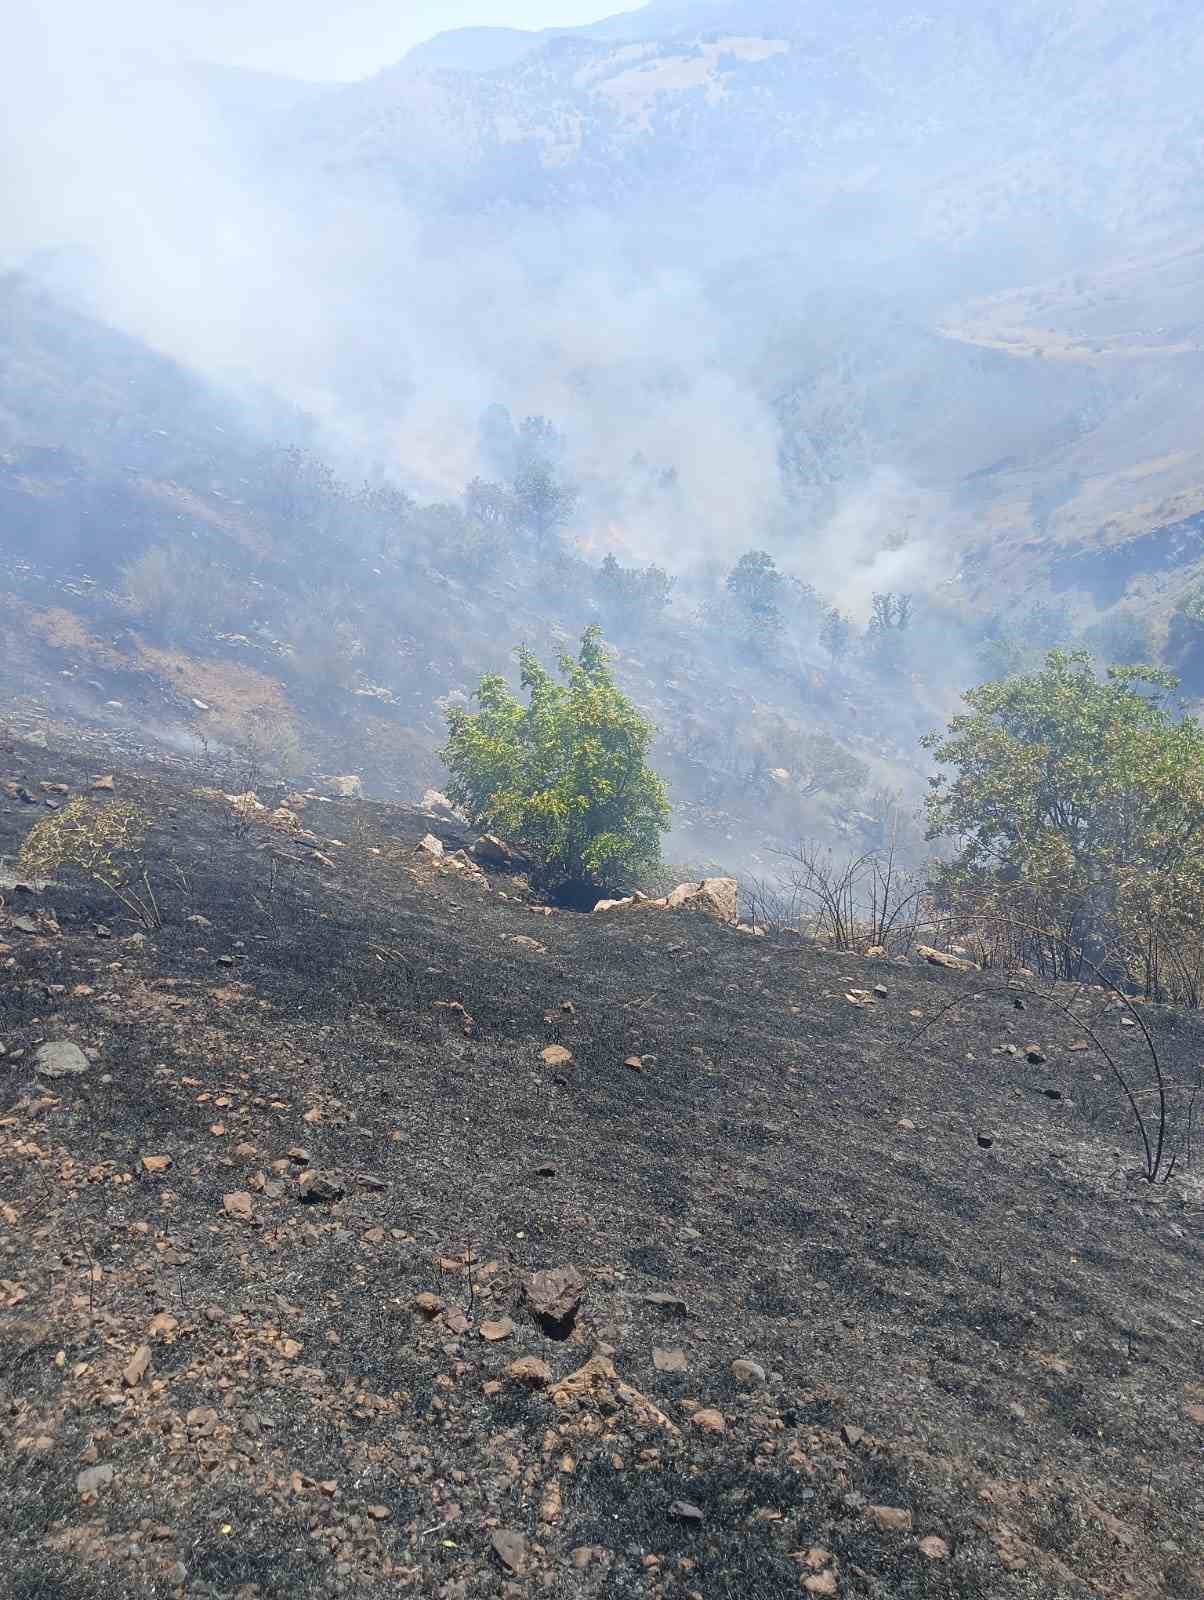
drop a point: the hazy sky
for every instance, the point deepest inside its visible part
(304, 38)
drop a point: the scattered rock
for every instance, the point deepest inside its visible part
(710, 1420)
(906, 1124)
(93, 1479)
(429, 1304)
(666, 1301)
(555, 1055)
(511, 1550)
(940, 958)
(320, 1188)
(822, 1583)
(495, 852)
(1052, 1094)
(348, 787)
(851, 1434)
(889, 1519)
(1034, 1055)
(531, 1370)
(985, 1140)
(635, 1063)
(135, 1368)
(713, 897)
(597, 1384)
(503, 1328)
(684, 1511)
(669, 1360)
(436, 800)
(554, 1297)
(59, 1058)
(239, 1204)
(103, 783)
(748, 1372)
(429, 845)
(934, 1548)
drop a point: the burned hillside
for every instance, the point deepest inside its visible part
(399, 1234)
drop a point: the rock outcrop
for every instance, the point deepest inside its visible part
(712, 897)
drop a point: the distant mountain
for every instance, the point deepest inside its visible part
(1086, 112)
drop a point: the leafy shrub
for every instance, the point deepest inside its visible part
(565, 776)
(1078, 807)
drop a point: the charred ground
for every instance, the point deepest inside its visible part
(981, 1337)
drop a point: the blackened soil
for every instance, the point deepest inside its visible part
(968, 1306)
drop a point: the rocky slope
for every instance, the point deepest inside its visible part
(393, 1238)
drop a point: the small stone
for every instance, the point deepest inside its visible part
(239, 1204)
(59, 1058)
(906, 1124)
(511, 1550)
(881, 991)
(684, 1511)
(379, 1513)
(666, 1302)
(889, 1519)
(156, 1163)
(319, 1188)
(669, 1360)
(822, 1583)
(546, 1169)
(851, 1434)
(103, 783)
(225, 961)
(555, 1055)
(748, 1372)
(495, 1331)
(531, 1370)
(245, 1150)
(554, 1296)
(985, 1141)
(93, 1479)
(135, 1368)
(1052, 1094)
(1034, 1055)
(710, 1421)
(161, 1323)
(934, 1547)
(1127, 1022)
(634, 1063)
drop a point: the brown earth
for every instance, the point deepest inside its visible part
(267, 1318)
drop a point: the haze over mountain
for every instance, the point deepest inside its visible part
(909, 299)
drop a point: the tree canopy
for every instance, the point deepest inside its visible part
(564, 776)
(1084, 794)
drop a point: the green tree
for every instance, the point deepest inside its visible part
(566, 775)
(630, 597)
(543, 503)
(1080, 801)
(835, 634)
(756, 584)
